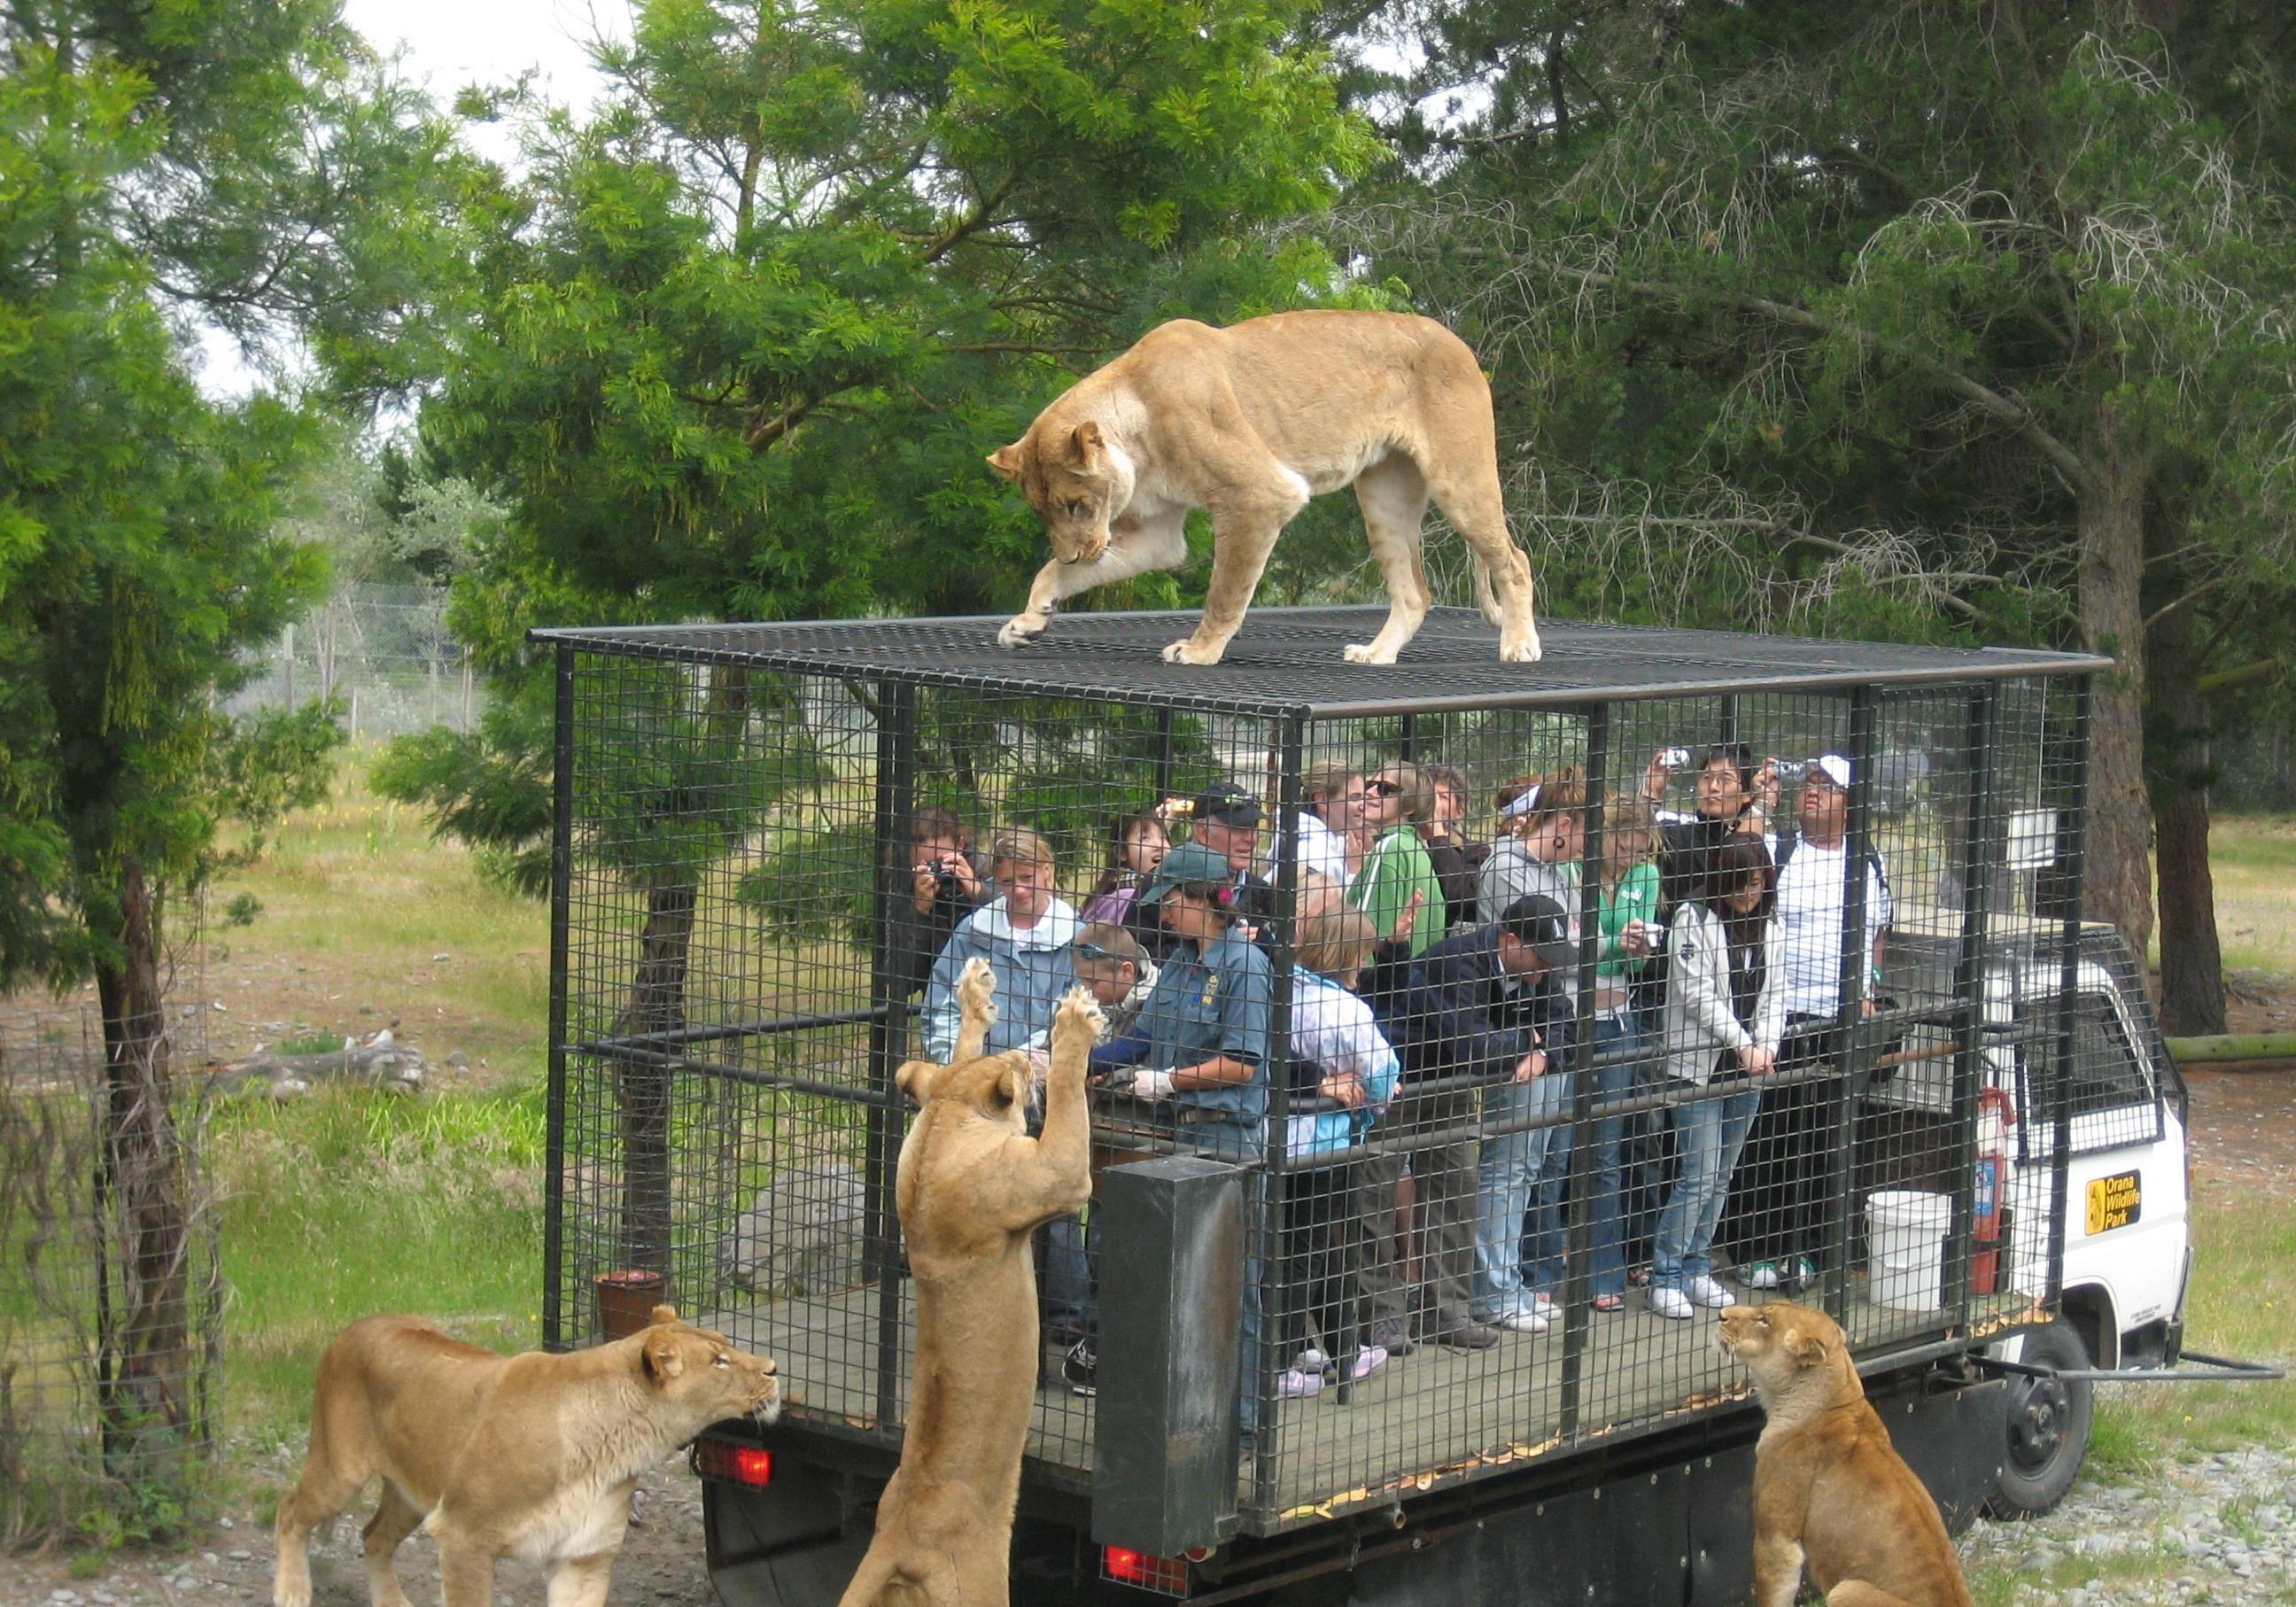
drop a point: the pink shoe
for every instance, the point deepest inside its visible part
(1297, 1385)
(1369, 1360)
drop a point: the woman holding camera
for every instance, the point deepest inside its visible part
(939, 881)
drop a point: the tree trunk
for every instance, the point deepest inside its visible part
(145, 1349)
(2192, 967)
(2117, 880)
(657, 1007)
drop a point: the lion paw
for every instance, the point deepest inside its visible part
(1367, 653)
(1520, 652)
(1189, 651)
(976, 991)
(1079, 1014)
(1020, 628)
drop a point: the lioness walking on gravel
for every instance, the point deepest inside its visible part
(972, 1188)
(531, 1456)
(1248, 423)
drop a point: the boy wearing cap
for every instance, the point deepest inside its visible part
(1777, 1216)
(1226, 821)
(1482, 1007)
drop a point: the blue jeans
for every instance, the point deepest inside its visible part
(1071, 1253)
(1709, 1132)
(1517, 1174)
(1608, 1274)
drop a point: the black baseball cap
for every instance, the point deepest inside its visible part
(1539, 922)
(1228, 804)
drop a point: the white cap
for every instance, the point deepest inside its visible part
(1521, 804)
(1836, 767)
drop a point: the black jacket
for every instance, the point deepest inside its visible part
(1452, 1016)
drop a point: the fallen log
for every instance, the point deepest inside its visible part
(2232, 1046)
(379, 1061)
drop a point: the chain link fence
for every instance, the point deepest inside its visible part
(385, 651)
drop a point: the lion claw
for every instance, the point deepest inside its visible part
(1079, 1011)
(1187, 652)
(1366, 652)
(976, 991)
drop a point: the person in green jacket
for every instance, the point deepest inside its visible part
(1397, 798)
(1628, 1174)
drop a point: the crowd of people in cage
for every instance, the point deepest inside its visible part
(1434, 1024)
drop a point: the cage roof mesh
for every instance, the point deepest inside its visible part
(1287, 661)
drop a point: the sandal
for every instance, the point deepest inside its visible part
(1609, 1302)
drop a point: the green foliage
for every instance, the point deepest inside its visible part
(746, 335)
(245, 172)
(1851, 315)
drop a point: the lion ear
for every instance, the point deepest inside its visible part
(1086, 444)
(1808, 1348)
(661, 1359)
(917, 1078)
(1013, 1081)
(1006, 460)
(665, 1314)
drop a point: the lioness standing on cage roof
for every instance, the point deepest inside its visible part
(1248, 423)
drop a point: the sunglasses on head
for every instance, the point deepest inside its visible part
(1381, 788)
(1094, 951)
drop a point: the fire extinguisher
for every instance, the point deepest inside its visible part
(1995, 1117)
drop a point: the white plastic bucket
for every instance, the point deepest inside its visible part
(1905, 1233)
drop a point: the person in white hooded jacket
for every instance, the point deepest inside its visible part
(1724, 1019)
(1024, 936)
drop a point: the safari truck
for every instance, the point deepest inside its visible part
(752, 860)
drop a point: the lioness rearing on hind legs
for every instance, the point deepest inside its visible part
(1248, 423)
(971, 1186)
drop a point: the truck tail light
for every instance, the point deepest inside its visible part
(1130, 1567)
(749, 1465)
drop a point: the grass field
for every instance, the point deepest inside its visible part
(349, 1203)
(2253, 864)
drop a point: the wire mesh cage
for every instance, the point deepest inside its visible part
(1544, 1008)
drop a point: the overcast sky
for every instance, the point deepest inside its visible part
(452, 42)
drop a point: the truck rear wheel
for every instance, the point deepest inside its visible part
(2048, 1423)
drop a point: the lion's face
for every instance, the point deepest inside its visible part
(1077, 482)
(705, 1375)
(1777, 1340)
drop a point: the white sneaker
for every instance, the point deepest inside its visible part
(1670, 1302)
(1296, 1385)
(1761, 1274)
(1523, 1319)
(1369, 1360)
(1312, 1360)
(1541, 1304)
(1704, 1291)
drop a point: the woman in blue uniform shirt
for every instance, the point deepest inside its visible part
(1198, 1051)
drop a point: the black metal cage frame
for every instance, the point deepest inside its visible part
(815, 1041)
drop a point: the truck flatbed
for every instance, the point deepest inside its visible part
(1419, 1422)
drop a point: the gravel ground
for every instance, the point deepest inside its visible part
(2213, 1529)
(2218, 1528)
(231, 1564)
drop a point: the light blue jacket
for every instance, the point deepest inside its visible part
(1336, 1030)
(1033, 969)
